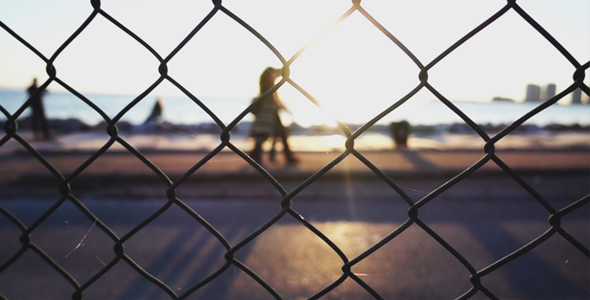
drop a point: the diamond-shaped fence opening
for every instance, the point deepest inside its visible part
(161, 237)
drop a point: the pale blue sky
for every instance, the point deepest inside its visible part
(350, 61)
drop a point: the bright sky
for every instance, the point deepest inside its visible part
(352, 61)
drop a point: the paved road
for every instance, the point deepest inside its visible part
(484, 218)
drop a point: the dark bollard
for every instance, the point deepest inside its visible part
(400, 132)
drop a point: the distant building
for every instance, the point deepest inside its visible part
(577, 96)
(533, 93)
(549, 92)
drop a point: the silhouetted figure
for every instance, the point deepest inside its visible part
(155, 117)
(156, 114)
(267, 121)
(38, 118)
(400, 132)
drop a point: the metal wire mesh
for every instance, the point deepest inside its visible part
(285, 210)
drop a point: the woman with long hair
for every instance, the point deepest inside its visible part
(267, 121)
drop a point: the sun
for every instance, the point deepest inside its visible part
(353, 71)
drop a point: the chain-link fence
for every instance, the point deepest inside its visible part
(285, 209)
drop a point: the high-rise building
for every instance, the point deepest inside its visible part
(577, 96)
(533, 93)
(549, 92)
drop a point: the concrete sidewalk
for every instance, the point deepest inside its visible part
(119, 165)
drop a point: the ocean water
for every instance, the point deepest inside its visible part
(182, 110)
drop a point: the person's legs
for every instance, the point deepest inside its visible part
(289, 157)
(281, 132)
(39, 124)
(36, 126)
(272, 152)
(256, 152)
(45, 127)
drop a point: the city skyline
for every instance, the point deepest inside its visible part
(536, 93)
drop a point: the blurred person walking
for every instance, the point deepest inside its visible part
(38, 119)
(267, 121)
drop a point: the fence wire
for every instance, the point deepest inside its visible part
(285, 210)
